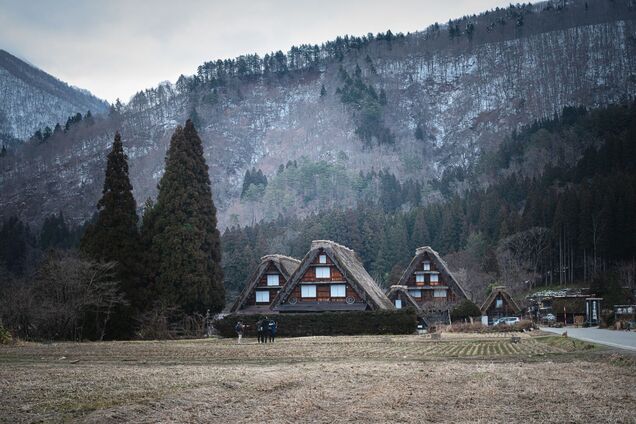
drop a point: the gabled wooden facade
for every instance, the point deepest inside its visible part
(499, 304)
(400, 297)
(330, 277)
(264, 284)
(431, 285)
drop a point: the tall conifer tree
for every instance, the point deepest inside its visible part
(114, 235)
(184, 239)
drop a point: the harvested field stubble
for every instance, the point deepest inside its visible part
(343, 379)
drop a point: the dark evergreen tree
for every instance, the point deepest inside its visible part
(55, 233)
(16, 243)
(184, 238)
(48, 132)
(323, 91)
(114, 235)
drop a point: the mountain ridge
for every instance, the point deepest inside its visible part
(34, 99)
(463, 88)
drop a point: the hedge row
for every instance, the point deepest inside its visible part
(326, 323)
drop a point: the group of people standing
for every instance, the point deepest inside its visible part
(265, 330)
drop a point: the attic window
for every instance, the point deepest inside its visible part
(273, 280)
(398, 303)
(323, 272)
(434, 278)
(427, 266)
(499, 303)
(308, 290)
(419, 278)
(262, 296)
(415, 293)
(322, 259)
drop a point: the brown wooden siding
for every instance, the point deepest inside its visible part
(323, 294)
(505, 310)
(262, 284)
(427, 294)
(323, 285)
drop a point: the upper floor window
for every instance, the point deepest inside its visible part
(434, 278)
(419, 278)
(427, 266)
(499, 303)
(322, 259)
(273, 280)
(439, 293)
(338, 290)
(323, 272)
(308, 290)
(415, 293)
(262, 296)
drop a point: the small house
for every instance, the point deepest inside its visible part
(431, 285)
(330, 277)
(400, 297)
(499, 304)
(263, 285)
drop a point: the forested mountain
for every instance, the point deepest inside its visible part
(33, 100)
(557, 210)
(560, 219)
(329, 126)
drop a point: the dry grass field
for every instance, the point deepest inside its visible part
(461, 378)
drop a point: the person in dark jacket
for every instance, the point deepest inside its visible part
(260, 331)
(271, 330)
(265, 329)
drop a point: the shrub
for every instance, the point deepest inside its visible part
(476, 327)
(167, 323)
(326, 323)
(465, 310)
(5, 336)
(607, 320)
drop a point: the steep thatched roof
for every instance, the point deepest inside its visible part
(396, 290)
(286, 266)
(441, 266)
(500, 291)
(349, 264)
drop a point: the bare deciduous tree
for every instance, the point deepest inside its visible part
(70, 297)
(520, 254)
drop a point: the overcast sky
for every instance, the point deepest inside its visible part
(115, 48)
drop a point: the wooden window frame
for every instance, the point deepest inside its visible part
(344, 293)
(323, 268)
(261, 292)
(303, 287)
(277, 280)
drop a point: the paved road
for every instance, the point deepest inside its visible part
(621, 339)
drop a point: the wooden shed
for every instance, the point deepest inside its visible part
(400, 297)
(330, 277)
(262, 287)
(499, 304)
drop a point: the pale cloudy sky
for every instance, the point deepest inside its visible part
(114, 48)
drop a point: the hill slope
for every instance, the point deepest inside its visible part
(33, 99)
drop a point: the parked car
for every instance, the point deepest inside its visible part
(507, 321)
(549, 318)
